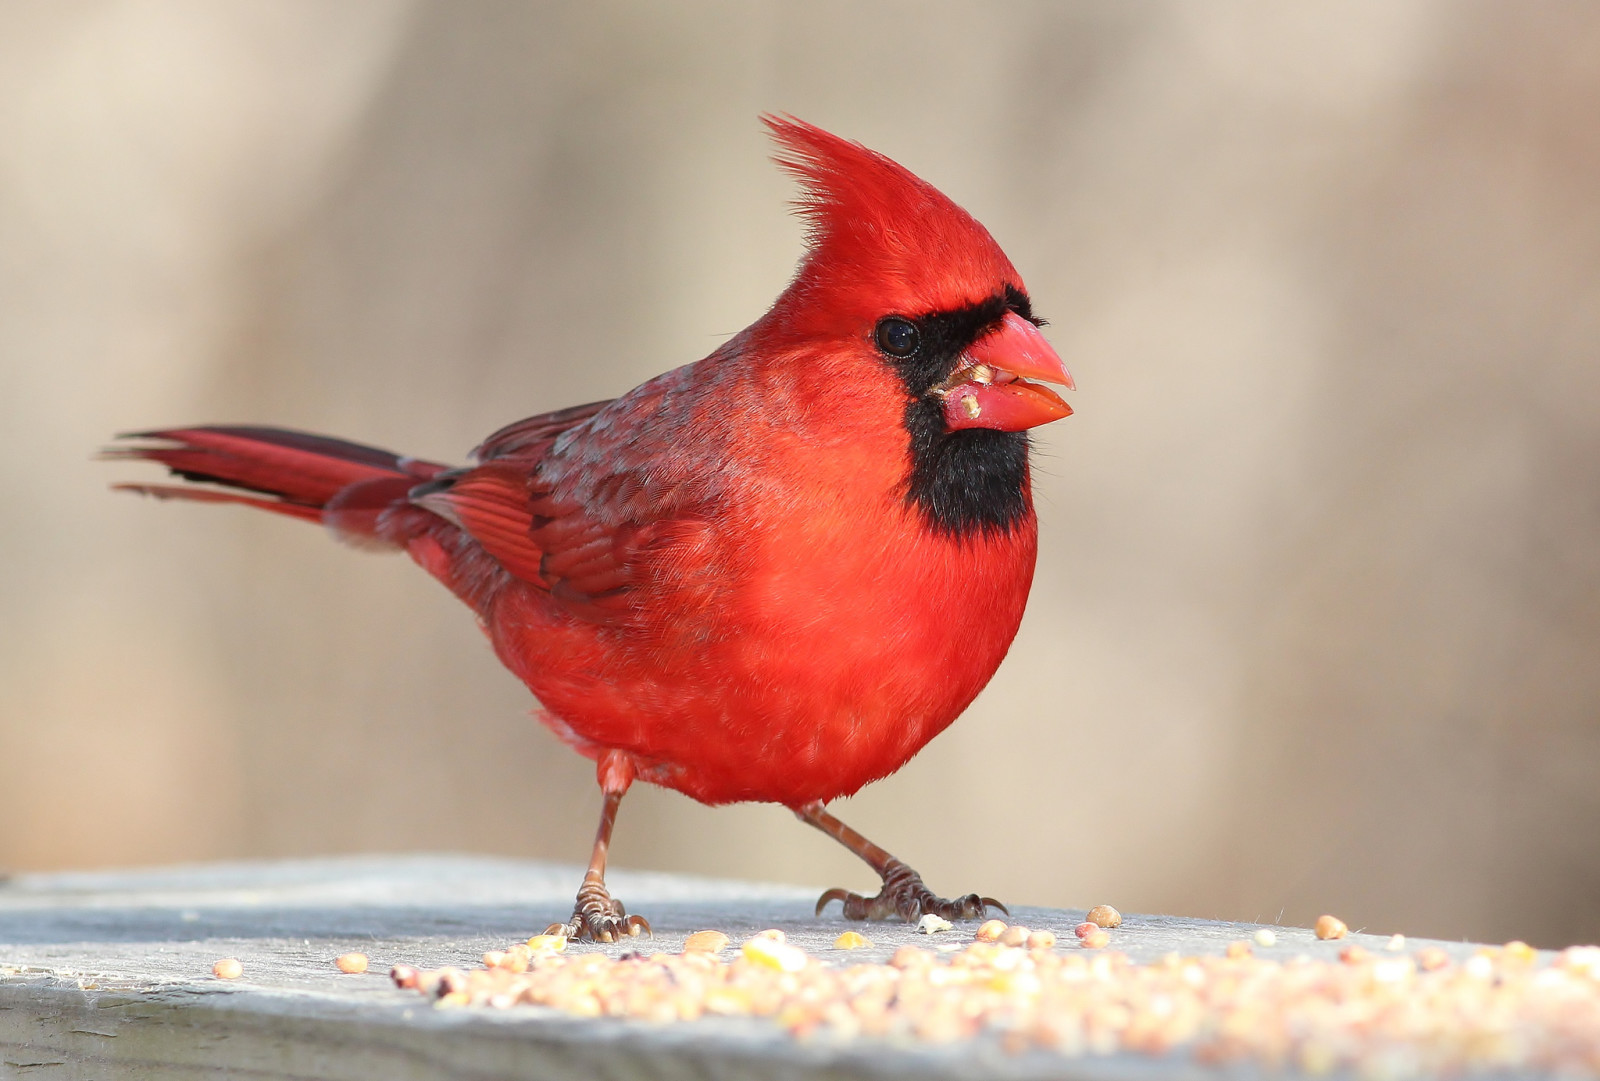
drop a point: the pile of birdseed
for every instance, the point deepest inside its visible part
(1383, 1014)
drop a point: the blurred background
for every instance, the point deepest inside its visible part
(1317, 619)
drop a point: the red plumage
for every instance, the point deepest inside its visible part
(773, 574)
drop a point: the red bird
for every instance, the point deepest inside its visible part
(773, 574)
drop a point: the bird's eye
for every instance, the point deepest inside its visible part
(897, 337)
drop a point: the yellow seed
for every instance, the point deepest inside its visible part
(1095, 939)
(705, 942)
(351, 962)
(728, 1000)
(227, 969)
(547, 943)
(494, 959)
(774, 934)
(1396, 943)
(770, 953)
(1265, 937)
(1238, 949)
(1520, 952)
(1330, 927)
(990, 931)
(851, 940)
(1353, 955)
(1104, 916)
(1042, 940)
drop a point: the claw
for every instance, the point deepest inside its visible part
(835, 894)
(904, 895)
(599, 917)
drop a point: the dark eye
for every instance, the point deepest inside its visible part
(897, 337)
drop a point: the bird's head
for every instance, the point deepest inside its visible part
(905, 307)
(908, 280)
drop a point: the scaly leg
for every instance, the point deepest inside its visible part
(596, 914)
(903, 893)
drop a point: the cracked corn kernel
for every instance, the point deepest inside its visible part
(851, 940)
(351, 963)
(705, 942)
(1239, 948)
(1085, 929)
(1095, 939)
(1104, 916)
(1520, 952)
(990, 931)
(1330, 927)
(932, 924)
(770, 953)
(1041, 940)
(1265, 937)
(228, 968)
(1015, 935)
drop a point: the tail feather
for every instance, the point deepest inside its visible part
(292, 473)
(210, 495)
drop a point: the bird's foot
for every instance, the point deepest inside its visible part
(904, 896)
(598, 916)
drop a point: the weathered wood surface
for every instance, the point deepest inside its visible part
(108, 975)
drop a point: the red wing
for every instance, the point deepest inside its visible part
(489, 503)
(529, 439)
(616, 515)
(592, 568)
(600, 570)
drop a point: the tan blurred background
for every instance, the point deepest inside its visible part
(1317, 619)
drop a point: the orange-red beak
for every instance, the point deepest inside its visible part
(990, 387)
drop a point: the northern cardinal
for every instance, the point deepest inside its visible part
(773, 574)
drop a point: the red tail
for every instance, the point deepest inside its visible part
(346, 485)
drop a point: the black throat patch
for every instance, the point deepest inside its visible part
(975, 480)
(971, 481)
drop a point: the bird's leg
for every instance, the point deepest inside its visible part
(903, 893)
(596, 914)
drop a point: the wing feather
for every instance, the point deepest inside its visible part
(602, 523)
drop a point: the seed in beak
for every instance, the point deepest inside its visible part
(982, 375)
(972, 407)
